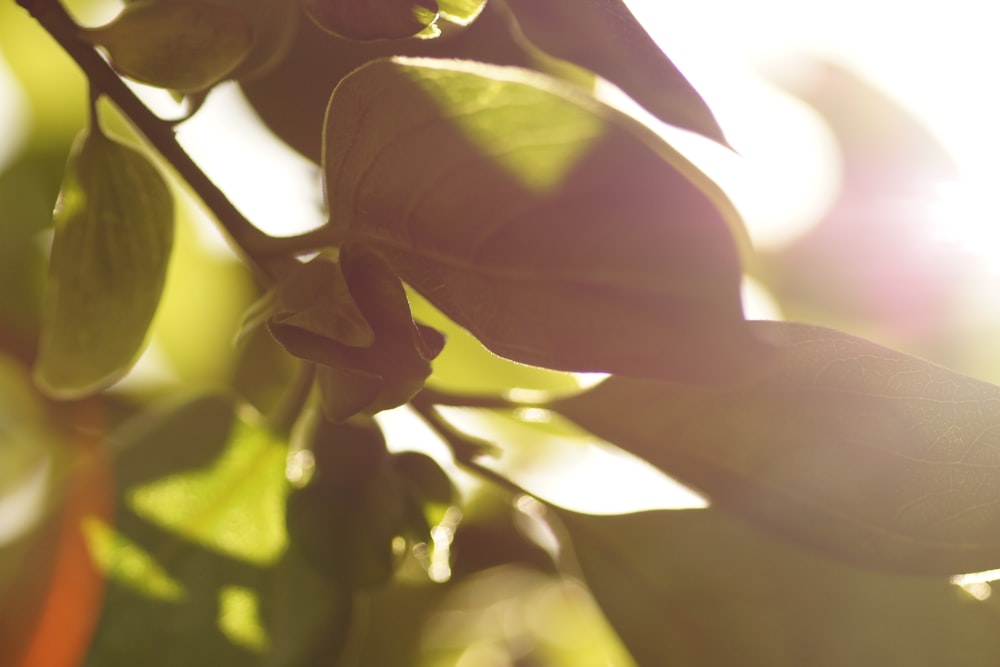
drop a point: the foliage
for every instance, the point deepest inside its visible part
(315, 494)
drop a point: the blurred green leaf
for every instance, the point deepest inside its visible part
(372, 19)
(113, 237)
(27, 189)
(557, 230)
(183, 45)
(604, 37)
(178, 437)
(841, 444)
(703, 588)
(198, 573)
(54, 87)
(206, 293)
(235, 506)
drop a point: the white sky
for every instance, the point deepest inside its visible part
(938, 60)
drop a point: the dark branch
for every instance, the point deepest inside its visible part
(249, 241)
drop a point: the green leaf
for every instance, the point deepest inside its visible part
(343, 519)
(179, 437)
(372, 19)
(461, 12)
(197, 567)
(183, 45)
(604, 37)
(557, 230)
(233, 506)
(703, 588)
(113, 236)
(465, 366)
(387, 363)
(841, 444)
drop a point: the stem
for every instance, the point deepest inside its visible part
(282, 419)
(467, 401)
(250, 242)
(465, 448)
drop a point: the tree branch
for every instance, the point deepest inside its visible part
(249, 241)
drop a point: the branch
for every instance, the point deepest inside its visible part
(249, 241)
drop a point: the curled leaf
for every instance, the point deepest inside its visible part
(557, 230)
(183, 45)
(840, 444)
(372, 19)
(354, 321)
(113, 236)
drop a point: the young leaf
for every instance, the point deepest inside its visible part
(355, 321)
(113, 236)
(557, 230)
(604, 37)
(703, 588)
(315, 298)
(183, 45)
(372, 19)
(840, 444)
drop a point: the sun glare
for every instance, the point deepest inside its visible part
(786, 171)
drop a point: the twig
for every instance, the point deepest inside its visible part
(466, 449)
(467, 401)
(251, 242)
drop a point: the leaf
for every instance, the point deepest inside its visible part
(603, 36)
(315, 298)
(197, 566)
(183, 45)
(557, 462)
(372, 19)
(840, 444)
(557, 230)
(703, 588)
(113, 236)
(461, 12)
(388, 369)
(465, 366)
(234, 506)
(181, 436)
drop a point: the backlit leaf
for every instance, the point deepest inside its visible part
(603, 36)
(703, 588)
(557, 230)
(173, 439)
(184, 45)
(372, 19)
(198, 572)
(113, 236)
(462, 12)
(841, 444)
(465, 366)
(234, 507)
